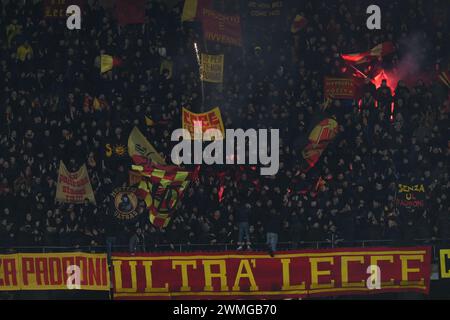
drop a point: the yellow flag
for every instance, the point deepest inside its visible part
(106, 63)
(189, 10)
(138, 146)
(166, 65)
(211, 68)
(96, 104)
(149, 122)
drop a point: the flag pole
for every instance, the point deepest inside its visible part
(197, 55)
(359, 71)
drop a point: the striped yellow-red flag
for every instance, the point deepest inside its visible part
(161, 188)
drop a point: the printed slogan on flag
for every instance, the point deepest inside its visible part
(211, 69)
(208, 120)
(74, 187)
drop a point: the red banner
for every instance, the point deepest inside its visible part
(220, 27)
(338, 88)
(256, 275)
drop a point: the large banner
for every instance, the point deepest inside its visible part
(74, 187)
(51, 271)
(410, 195)
(256, 275)
(338, 88)
(221, 28)
(140, 150)
(208, 120)
(211, 68)
(319, 138)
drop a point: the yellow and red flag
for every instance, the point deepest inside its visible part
(380, 50)
(161, 188)
(319, 138)
(142, 151)
(108, 62)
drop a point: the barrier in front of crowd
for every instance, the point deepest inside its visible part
(219, 271)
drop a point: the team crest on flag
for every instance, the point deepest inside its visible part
(125, 203)
(162, 188)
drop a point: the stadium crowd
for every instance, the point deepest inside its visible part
(50, 73)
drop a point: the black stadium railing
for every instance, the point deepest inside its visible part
(215, 247)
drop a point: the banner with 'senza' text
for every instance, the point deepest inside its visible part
(50, 271)
(256, 275)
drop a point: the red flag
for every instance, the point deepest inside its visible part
(130, 11)
(221, 176)
(221, 28)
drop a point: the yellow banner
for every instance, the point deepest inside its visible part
(138, 146)
(444, 261)
(54, 271)
(74, 187)
(208, 120)
(211, 69)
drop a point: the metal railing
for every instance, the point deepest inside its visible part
(214, 247)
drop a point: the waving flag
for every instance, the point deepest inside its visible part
(162, 188)
(319, 138)
(298, 24)
(142, 151)
(379, 50)
(107, 62)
